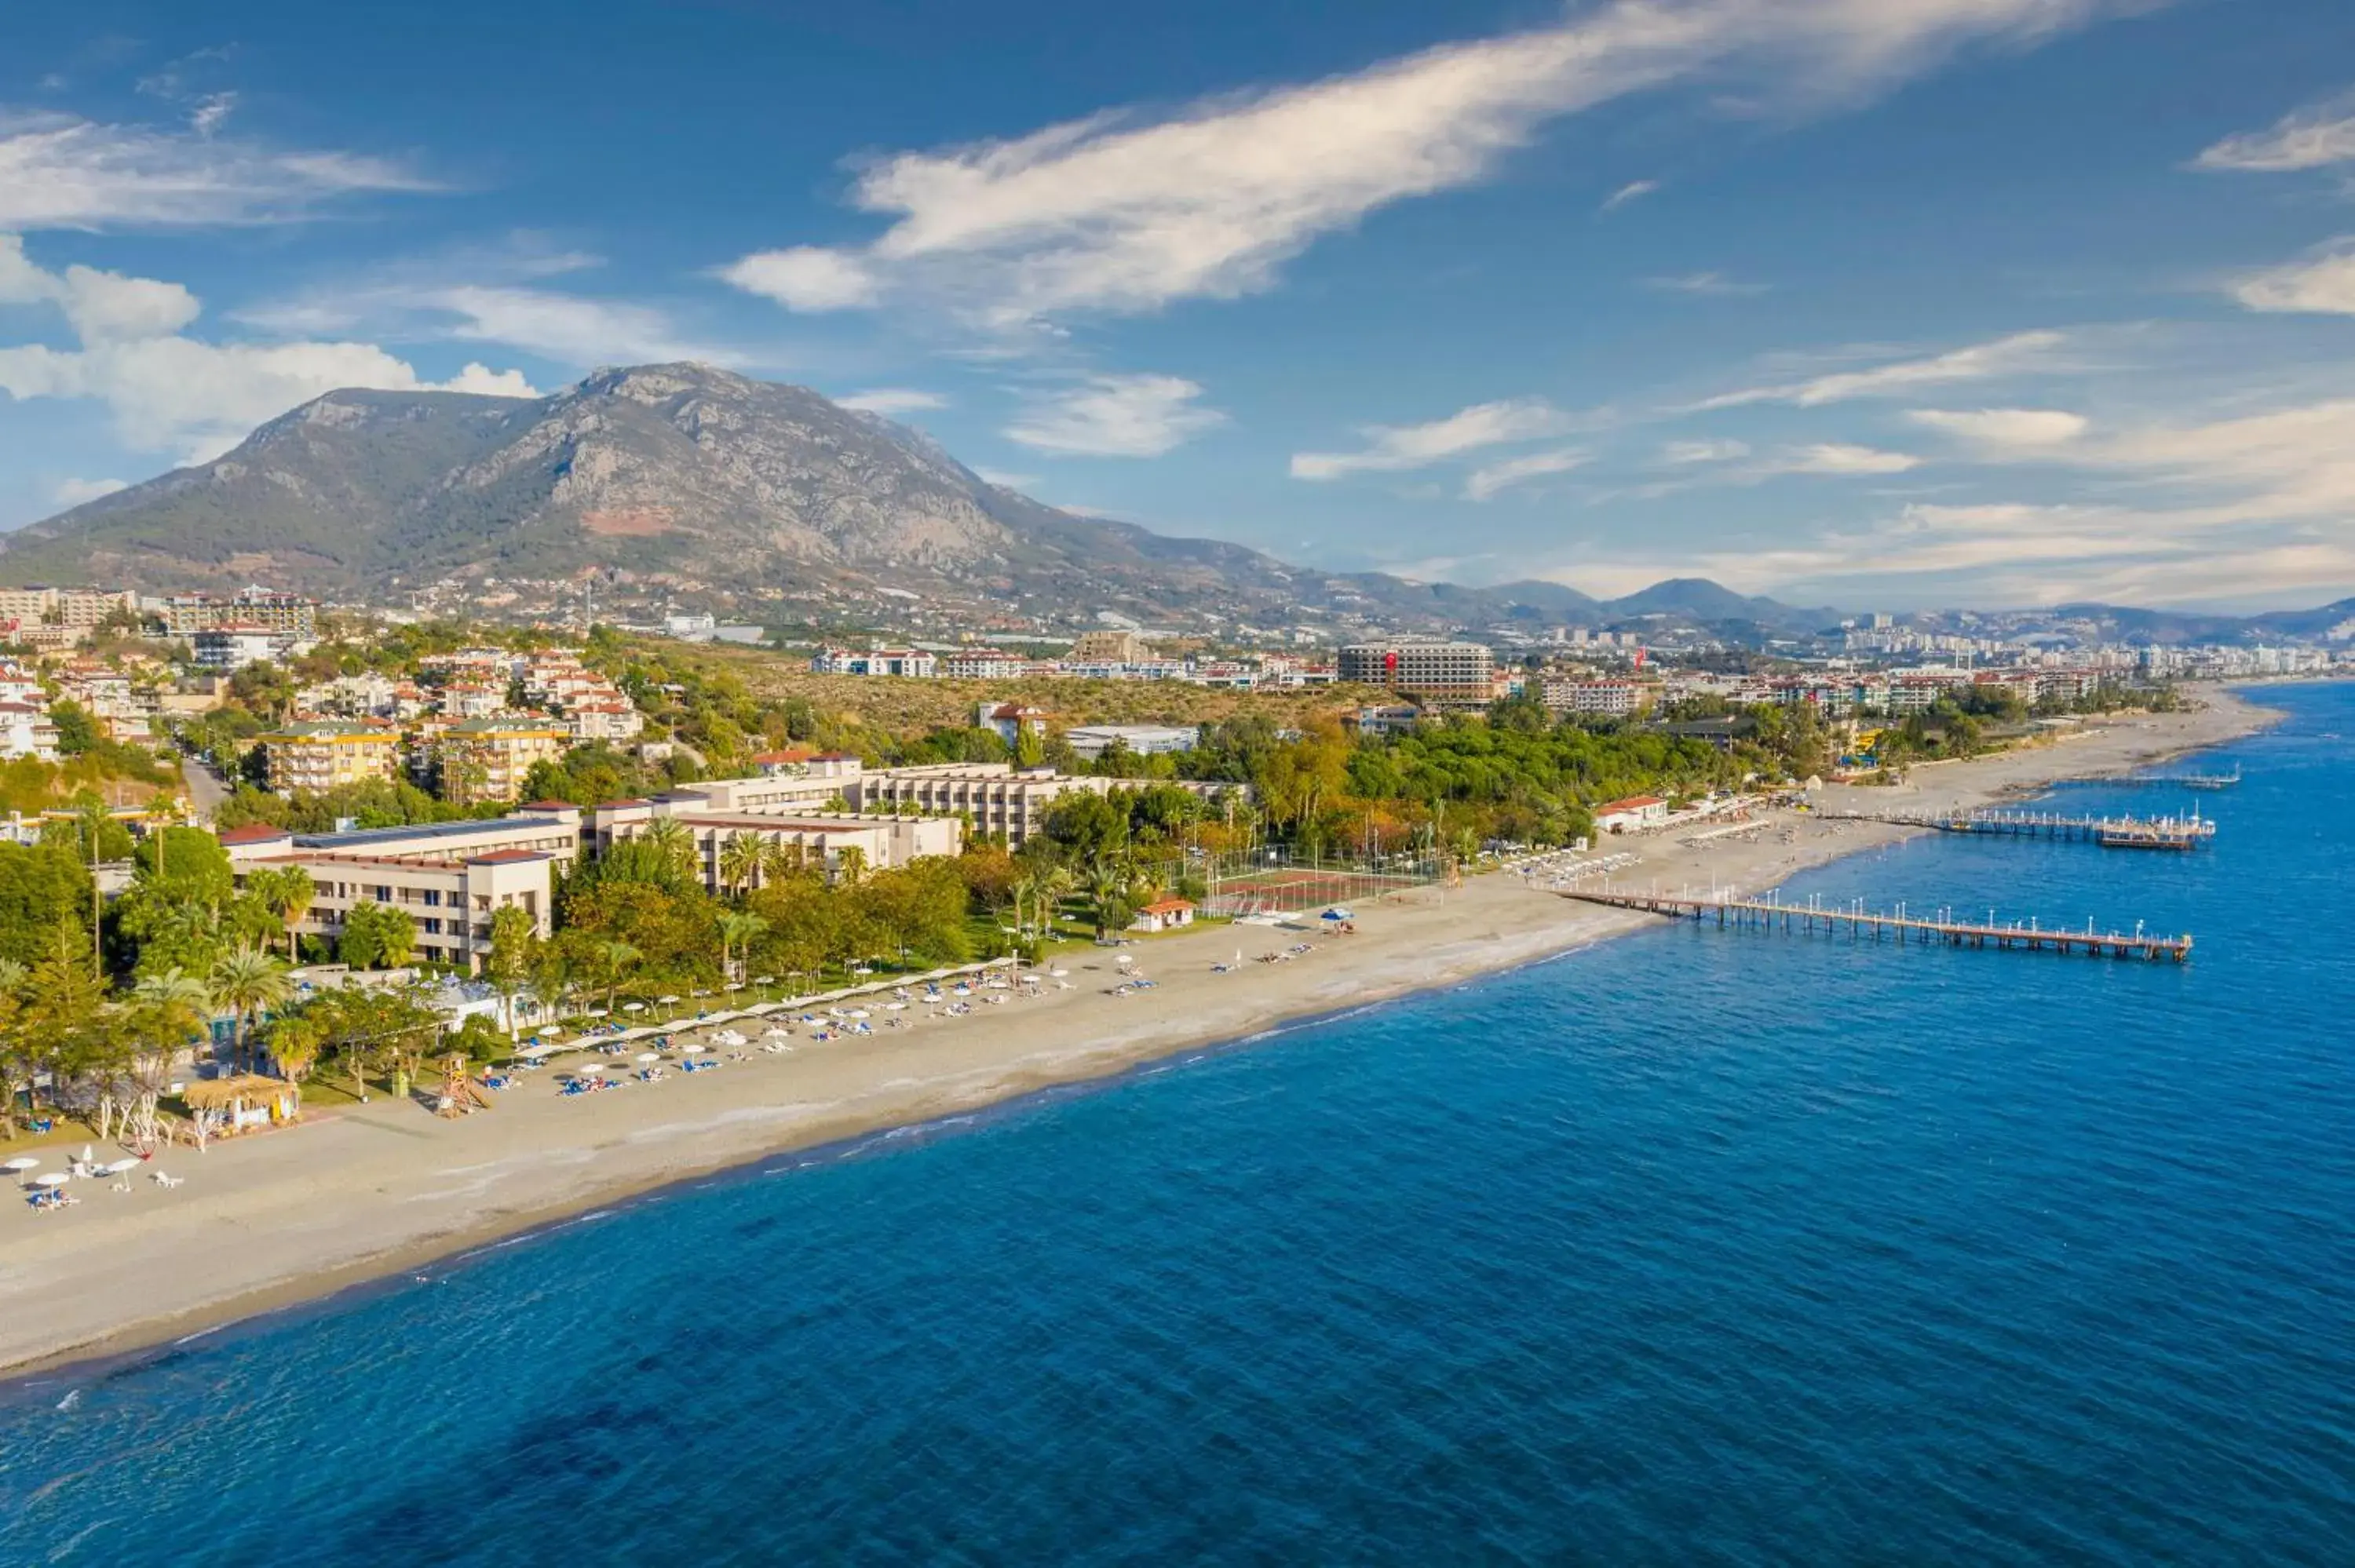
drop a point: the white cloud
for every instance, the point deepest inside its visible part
(74, 491)
(806, 277)
(1688, 453)
(2020, 352)
(2322, 285)
(1115, 415)
(1112, 213)
(60, 171)
(1832, 458)
(565, 327)
(1396, 447)
(2004, 430)
(2312, 138)
(167, 390)
(1486, 482)
(1635, 190)
(1712, 284)
(891, 401)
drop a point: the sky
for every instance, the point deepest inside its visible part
(1878, 304)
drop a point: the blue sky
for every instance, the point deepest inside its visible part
(1879, 302)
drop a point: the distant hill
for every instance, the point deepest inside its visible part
(705, 484)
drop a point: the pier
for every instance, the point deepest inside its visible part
(2182, 780)
(1731, 911)
(2109, 832)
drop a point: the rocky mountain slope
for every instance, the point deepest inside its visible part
(705, 487)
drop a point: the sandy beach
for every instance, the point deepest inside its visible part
(382, 1188)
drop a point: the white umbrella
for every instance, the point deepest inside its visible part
(22, 1162)
(765, 979)
(691, 1050)
(51, 1179)
(633, 1007)
(649, 1055)
(88, 1154)
(858, 1013)
(776, 1033)
(1123, 961)
(895, 1007)
(551, 1031)
(120, 1166)
(596, 1013)
(667, 1001)
(582, 1069)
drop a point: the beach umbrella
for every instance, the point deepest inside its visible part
(51, 1179)
(22, 1162)
(633, 1007)
(120, 1166)
(667, 1001)
(649, 1055)
(584, 1069)
(88, 1154)
(551, 1031)
(1058, 974)
(691, 1050)
(596, 1013)
(776, 1032)
(895, 1007)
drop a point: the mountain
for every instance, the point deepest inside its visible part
(691, 487)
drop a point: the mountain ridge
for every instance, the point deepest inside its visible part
(709, 487)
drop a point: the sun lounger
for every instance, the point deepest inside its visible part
(168, 1182)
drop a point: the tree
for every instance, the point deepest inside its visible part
(1107, 885)
(514, 940)
(853, 863)
(738, 930)
(286, 891)
(377, 936)
(168, 1010)
(615, 960)
(741, 858)
(249, 982)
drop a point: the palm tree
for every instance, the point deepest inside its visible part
(249, 982)
(740, 860)
(287, 891)
(738, 931)
(294, 1041)
(1107, 885)
(853, 865)
(674, 843)
(615, 958)
(168, 1010)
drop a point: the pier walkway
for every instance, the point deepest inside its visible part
(1859, 924)
(2109, 832)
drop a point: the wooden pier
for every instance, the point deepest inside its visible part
(1731, 911)
(2109, 832)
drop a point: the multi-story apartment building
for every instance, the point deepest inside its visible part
(289, 615)
(827, 841)
(913, 662)
(232, 645)
(318, 755)
(1446, 670)
(51, 618)
(1610, 699)
(486, 760)
(1108, 648)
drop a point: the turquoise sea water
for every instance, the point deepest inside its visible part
(1695, 1247)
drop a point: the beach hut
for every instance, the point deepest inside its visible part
(1164, 915)
(248, 1101)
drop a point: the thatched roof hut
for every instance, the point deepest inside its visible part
(245, 1099)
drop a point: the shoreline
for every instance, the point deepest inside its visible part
(303, 1218)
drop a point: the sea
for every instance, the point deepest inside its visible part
(1692, 1248)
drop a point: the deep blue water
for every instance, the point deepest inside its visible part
(1696, 1247)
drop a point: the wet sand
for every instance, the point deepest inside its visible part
(380, 1189)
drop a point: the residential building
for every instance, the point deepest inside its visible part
(1444, 671)
(487, 759)
(26, 731)
(232, 645)
(291, 615)
(913, 662)
(997, 797)
(472, 699)
(1091, 741)
(51, 618)
(1610, 699)
(985, 664)
(318, 755)
(1109, 648)
(1010, 721)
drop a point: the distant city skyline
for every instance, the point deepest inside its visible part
(1888, 305)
